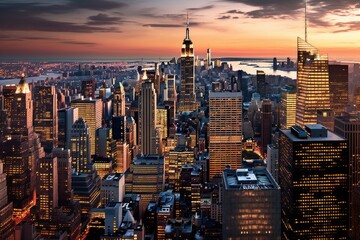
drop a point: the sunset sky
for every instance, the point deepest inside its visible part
(156, 28)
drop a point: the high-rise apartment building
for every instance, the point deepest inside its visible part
(339, 87)
(147, 117)
(225, 133)
(312, 83)
(91, 111)
(313, 176)
(251, 207)
(46, 116)
(288, 107)
(187, 98)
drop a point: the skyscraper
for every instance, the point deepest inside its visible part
(287, 107)
(251, 205)
(21, 151)
(6, 208)
(225, 133)
(67, 117)
(147, 117)
(80, 146)
(260, 83)
(313, 176)
(339, 84)
(312, 83)
(64, 168)
(208, 57)
(91, 111)
(266, 125)
(46, 116)
(187, 102)
(88, 88)
(119, 100)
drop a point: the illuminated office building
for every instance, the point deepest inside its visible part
(348, 127)
(88, 88)
(106, 145)
(47, 198)
(80, 146)
(146, 177)
(119, 100)
(338, 84)
(66, 118)
(187, 98)
(46, 116)
(313, 176)
(251, 207)
(266, 125)
(21, 151)
(8, 92)
(312, 84)
(112, 188)
(147, 117)
(6, 208)
(288, 107)
(91, 111)
(162, 121)
(225, 131)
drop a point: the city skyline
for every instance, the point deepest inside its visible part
(123, 29)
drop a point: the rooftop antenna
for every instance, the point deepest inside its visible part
(305, 20)
(187, 25)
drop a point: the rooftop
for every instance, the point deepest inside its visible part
(311, 133)
(113, 177)
(247, 179)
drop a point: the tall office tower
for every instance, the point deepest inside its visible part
(348, 127)
(208, 57)
(64, 167)
(46, 116)
(178, 157)
(123, 159)
(326, 118)
(47, 199)
(80, 146)
(313, 176)
(91, 111)
(266, 125)
(338, 84)
(187, 98)
(356, 213)
(6, 208)
(102, 91)
(312, 83)
(225, 133)
(67, 117)
(4, 120)
(243, 85)
(261, 83)
(162, 121)
(251, 206)
(288, 106)
(88, 88)
(119, 100)
(147, 117)
(272, 160)
(8, 92)
(106, 145)
(112, 188)
(21, 152)
(146, 177)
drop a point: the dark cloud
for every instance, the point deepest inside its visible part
(224, 17)
(103, 19)
(235, 17)
(163, 25)
(78, 43)
(234, 11)
(207, 7)
(100, 5)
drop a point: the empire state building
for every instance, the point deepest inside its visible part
(187, 99)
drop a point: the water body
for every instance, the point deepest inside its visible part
(29, 79)
(250, 66)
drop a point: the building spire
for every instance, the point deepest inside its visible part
(187, 26)
(305, 20)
